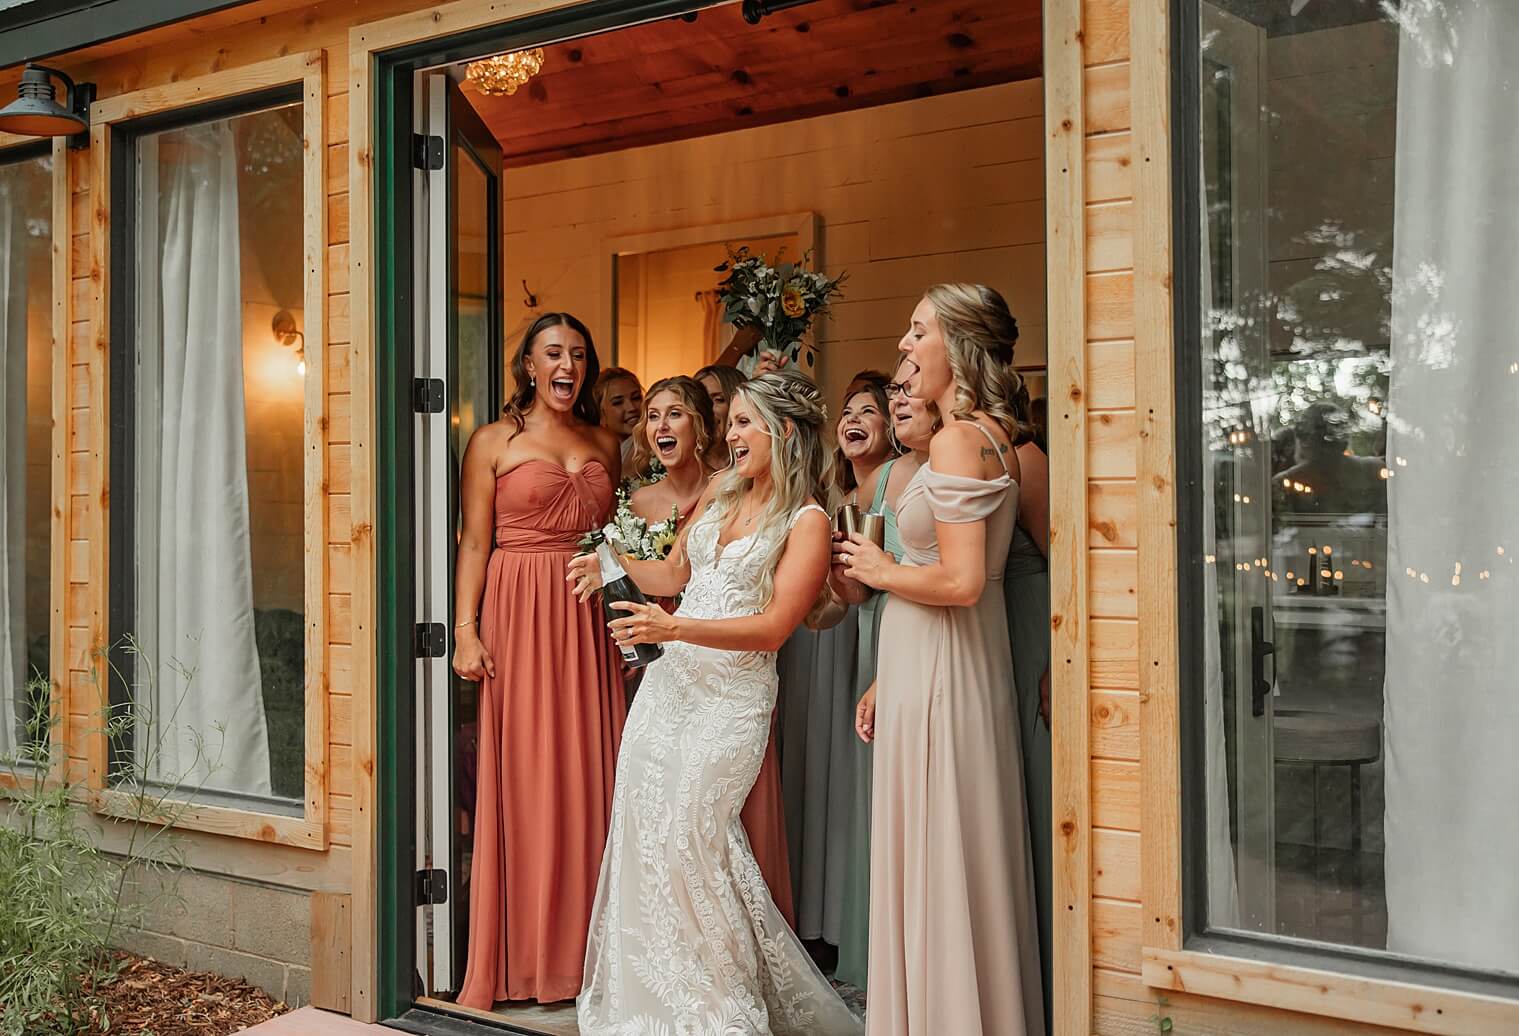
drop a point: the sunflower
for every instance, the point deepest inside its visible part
(793, 303)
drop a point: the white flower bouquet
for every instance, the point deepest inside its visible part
(634, 537)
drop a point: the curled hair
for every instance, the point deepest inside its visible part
(790, 406)
(873, 382)
(690, 392)
(522, 397)
(604, 382)
(979, 334)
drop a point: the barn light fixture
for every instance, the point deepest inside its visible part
(504, 73)
(36, 112)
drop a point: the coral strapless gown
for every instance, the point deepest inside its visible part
(550, 724)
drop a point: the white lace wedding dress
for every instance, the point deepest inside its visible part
(685, 939)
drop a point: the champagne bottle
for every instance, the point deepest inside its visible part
(617, 585)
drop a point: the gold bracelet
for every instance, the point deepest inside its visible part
(467, 622)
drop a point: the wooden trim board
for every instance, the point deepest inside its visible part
(1155, 409)
(364, 42)
(1065, 251)
(1370, 1001)
(308, 69)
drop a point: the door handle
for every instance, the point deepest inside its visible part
(1260, 647)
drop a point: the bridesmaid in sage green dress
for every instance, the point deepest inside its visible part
(854, 924)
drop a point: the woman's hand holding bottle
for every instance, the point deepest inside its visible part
(584, 575)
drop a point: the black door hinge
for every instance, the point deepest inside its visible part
(427, 395)
(426, 152)
(430, 640)
(432, 888)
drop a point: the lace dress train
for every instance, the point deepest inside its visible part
(685, 939)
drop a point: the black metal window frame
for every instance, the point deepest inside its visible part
(121, 602)
(1199, 935)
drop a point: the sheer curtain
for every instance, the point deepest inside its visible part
(13, 298)
(195, 576)
(1223, 882)
(1452, 694)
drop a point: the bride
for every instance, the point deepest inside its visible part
(684, 937)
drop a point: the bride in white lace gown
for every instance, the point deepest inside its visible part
(685, 939)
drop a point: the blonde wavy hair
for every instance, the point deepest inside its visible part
(691, 393)
(790, 406)
(979, 334)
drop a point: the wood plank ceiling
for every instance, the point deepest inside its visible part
(679, 78)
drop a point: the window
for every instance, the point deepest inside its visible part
(209, 543)
(26, 415)
(1350, 398)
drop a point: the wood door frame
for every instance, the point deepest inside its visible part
(372, 49)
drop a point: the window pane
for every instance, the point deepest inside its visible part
(217, 479)
(1360, 423)
(26, 409)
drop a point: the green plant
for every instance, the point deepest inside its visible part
(67, 898)
(1162, 1020)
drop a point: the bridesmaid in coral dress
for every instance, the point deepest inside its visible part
(679, 429)
(551, 697)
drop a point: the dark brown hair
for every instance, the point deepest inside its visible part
(522, 397)
(873, 382)
(730, 378)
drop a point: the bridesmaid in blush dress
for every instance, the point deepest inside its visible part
(954, 942)
(551, 698)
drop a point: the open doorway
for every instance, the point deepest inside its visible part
(898, 145)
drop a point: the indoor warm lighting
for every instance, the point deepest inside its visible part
(504, 73)
(285, 332)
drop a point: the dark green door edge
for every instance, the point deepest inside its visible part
(394, 289)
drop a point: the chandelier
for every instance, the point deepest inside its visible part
(503, 73)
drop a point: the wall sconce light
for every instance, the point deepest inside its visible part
(36, 112)
(286, 333)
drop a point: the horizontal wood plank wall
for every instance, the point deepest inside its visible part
(944, 188)
(1113, 532)
(221, 43)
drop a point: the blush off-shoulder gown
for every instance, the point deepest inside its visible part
(953, 934)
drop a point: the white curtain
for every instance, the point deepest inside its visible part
(1452, 684)
(195, 578)
(1223, 882)
(13, 299)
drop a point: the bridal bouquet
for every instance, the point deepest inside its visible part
(634, 537)
(779, 301)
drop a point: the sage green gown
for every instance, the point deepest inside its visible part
(1026, 587)
(854, 922)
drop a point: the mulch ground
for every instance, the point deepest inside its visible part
(152, 998)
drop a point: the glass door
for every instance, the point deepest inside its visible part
(457, 388)
(1236, 369)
